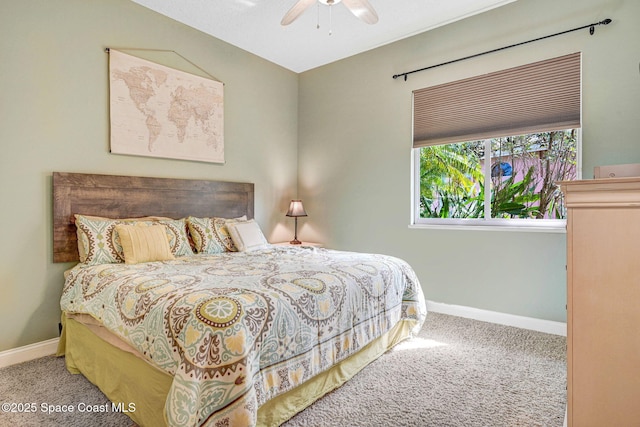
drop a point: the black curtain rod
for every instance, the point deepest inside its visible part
(592, 28)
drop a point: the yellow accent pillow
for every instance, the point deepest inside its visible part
(144, 243)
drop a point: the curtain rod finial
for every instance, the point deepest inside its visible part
(592, 28)
(395, 76)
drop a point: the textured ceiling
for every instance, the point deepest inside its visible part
(254, 25)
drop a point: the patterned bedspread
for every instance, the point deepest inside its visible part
(237, 329)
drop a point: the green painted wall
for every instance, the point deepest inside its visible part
(355, 155)
(54, 117)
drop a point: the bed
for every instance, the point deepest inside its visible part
(237, 332)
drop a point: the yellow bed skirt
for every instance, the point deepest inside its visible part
(135, 384)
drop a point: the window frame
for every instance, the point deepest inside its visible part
(496, 224)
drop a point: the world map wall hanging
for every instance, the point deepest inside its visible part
(159, 111)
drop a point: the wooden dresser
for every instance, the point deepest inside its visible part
(603, 302)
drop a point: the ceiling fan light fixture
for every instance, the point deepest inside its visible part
(362, 9)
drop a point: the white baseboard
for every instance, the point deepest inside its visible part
(540, 325)
(28, 352)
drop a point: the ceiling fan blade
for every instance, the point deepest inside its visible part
(362, 9)
(296, 11)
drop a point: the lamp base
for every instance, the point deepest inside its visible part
(295, 242)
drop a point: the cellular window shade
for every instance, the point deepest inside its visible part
(542, 96)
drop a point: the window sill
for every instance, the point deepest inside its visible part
(534, 228)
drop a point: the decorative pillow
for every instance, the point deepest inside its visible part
(176, 232)
(99, 244)
(96, 242)
(210, 235)
(247, 235)
(144, 243)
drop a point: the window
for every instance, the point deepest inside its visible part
(489, 150)
(520, 173)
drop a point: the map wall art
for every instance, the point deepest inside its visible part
(163, 112)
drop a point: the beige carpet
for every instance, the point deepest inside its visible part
(457, 372)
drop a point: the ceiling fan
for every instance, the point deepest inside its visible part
(362, 9)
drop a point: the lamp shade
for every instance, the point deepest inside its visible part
(296, 209)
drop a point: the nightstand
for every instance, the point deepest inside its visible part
(312, 244)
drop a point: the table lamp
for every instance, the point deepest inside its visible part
(295, 210)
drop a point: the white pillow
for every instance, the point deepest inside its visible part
(247, 235)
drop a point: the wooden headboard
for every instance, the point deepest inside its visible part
(131, 197)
